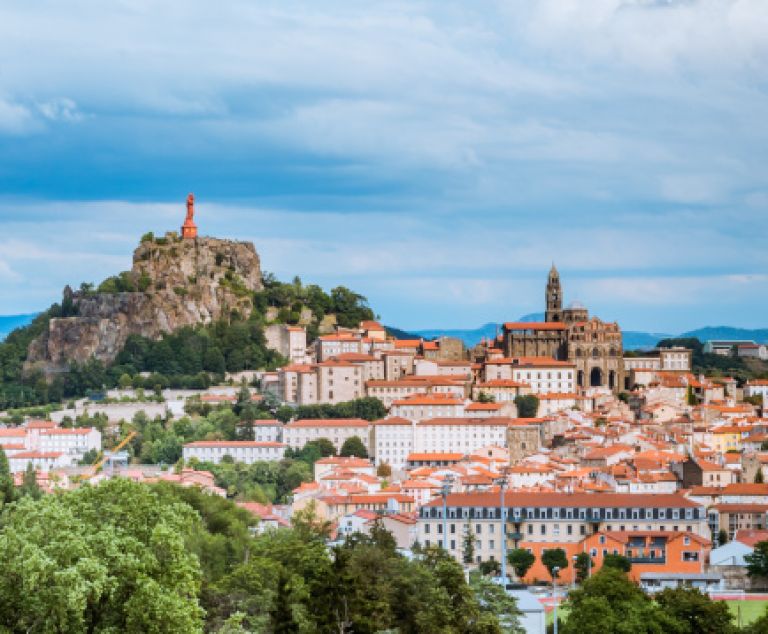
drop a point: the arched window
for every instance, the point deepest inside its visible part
(595, 353)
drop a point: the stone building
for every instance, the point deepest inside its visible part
(570, 334)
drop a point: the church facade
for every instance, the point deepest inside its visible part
(570, 334)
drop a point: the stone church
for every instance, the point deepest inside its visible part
(570, 334)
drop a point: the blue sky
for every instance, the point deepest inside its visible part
(434, 156)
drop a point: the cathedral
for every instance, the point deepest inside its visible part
(569, 334)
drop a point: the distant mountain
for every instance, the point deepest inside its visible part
(635, 340)
(9, 323)
(760, 335)
(469, 337)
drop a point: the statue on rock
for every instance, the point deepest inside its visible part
(189, 228)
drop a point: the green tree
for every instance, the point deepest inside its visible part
(722, 537)
(610, 602)
(696, 611)
(619, 562)
(353, 446)
(468, 544)
(494, 601)
(7, 488)
(101, 559)
(29, 486)
(527, 405)
(521, 561)
(554, 558)
(582, 565)
(490, 567)
(757, 561)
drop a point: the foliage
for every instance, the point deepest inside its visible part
(619, 562)
(527, 405)
(311, 452)
(490, 567)
(353, 446)
(367, 408)
(468, 544)
(696, 611)
(107, 559)
(722, 537)
(494, 600)
(290, 298)
(757, 561)
(715, 364)
(554, 558)
(521, 561)
(582, 565)
(610, 602)
(7, 488)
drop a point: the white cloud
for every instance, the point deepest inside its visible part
(15, 118)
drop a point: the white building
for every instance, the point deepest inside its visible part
(392, 441)
(246, 451)
(298, 433)
(542, 374)
(47, 446)
(464, 435)
(267, 430)
(757, 387)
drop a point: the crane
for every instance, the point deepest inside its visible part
(96, 466)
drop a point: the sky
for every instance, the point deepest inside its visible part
(436, 157)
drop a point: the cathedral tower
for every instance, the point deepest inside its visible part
(554, 297)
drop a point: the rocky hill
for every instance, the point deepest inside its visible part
(173, 283)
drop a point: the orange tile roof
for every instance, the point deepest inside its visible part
(441, 456)
(233, 444)
(570, 500)
(328, 422)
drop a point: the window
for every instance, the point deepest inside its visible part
(426, 529)
(530, 529)
(491, 544)
(478, 528)
(453, 545)
(686, 541)
(543, 529)
(689, 555)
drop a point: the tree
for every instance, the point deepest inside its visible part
(490, 567)
(29, 486)
(521, 561)
(353, 446)
(7, 489)
(610, 602)
(484, 397)
(384, 470)
(527, 405)
(757, 561)
(619, 562)
(554, 558)
(101, 559)
(722, 537)
(494, 601)
(582, 565)
(468, 544)
(698, 613)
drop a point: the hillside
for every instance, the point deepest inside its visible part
(173, 283)
(186, 312)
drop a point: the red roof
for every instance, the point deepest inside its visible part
(534, 325)
(233, 444)
(586, 500)
(329, 422)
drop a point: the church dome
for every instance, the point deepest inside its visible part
(576, 305)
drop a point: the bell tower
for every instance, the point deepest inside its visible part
(189, 228)
(554, 297)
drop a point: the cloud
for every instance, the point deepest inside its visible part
(15, 118)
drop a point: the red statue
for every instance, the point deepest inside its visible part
(189, 228)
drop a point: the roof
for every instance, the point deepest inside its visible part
(65, 431)
(751, 537)
(597, 500)
(442, 456)
(428, 399)
(534, 325)
(498, 421)
(328, 422)
(233, 444)
(543, 362)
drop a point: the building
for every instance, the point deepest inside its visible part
(538, 521)
(246, 451)
(298, 433)
(593, 346)
(46, 446)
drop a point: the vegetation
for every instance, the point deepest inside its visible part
(367, 408)
(619, 562)
(527, 405)
(718, 365)
(757, 562)
(554, 558)
(521, 561)
(582, 565)
(353, 447)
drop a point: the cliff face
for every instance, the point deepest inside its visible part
(180, 283)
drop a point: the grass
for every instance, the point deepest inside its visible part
(750, 610)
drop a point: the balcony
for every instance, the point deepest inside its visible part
(648, 560)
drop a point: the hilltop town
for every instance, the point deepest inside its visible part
(546, 438)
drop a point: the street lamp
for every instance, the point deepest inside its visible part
(502, 482)
(555, 572)
(445, 489)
